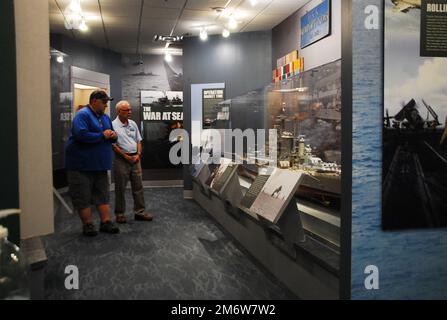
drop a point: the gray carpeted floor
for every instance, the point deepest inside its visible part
(182, 254)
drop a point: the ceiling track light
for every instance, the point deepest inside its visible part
(203, 34)
(168, 39)
(74, 18)
(232, 23)
(225, 33)
(83, 26)
(168, 57)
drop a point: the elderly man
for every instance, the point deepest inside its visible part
(127, 166)
(87, 160)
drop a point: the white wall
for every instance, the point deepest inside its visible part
(34, 117)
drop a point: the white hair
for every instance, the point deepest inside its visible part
(120, 104)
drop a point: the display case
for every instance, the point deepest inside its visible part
(292, 210)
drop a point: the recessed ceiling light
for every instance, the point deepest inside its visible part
(60, 59)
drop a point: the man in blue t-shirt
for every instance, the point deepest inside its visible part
(88, 157)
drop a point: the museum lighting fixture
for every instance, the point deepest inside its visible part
(168, 57)
(225, 33)
(60, 59)
(168, 39)
(203, 34)
(83, 26)
(232, 23)
(74, 18)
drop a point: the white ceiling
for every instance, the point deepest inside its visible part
(117, 22)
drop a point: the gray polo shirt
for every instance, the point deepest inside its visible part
(128, 135)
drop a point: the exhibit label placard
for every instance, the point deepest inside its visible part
(434, 28)
(316, 24)
(276, 194)
(211, 110)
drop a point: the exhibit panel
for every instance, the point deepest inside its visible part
(396, 253)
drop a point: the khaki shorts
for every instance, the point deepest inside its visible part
(88, 188)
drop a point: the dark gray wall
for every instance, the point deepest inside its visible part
(89, 57)
(285, 38)
(9, 182)
(242, 62)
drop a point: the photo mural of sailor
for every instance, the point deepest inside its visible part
(154, 88)
(414, 179)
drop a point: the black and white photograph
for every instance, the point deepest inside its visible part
(414, 187)
(276, 194)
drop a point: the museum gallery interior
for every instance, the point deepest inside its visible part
(257, 170)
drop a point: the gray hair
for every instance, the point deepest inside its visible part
(120, 104)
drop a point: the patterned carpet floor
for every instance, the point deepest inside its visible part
(181, 255)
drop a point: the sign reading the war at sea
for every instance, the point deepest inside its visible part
(213, 107)
(162, 106)
(414, 176)
(434, 28)
(161, 112)
(316, 24)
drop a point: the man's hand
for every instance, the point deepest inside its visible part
(136, 158)
(109, 134)
(132, 159)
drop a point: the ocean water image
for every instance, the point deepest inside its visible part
(412, 263)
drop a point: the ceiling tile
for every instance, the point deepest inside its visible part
(165, 3)
(160, 13)
(121, 19)
(205, 5)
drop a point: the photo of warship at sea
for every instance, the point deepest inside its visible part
(414, 169)
(414, 159)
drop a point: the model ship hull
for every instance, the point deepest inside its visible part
(324, 188)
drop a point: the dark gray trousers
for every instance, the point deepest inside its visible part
(123, 172)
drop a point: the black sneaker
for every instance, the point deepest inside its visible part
(109, 227)
(89, 230)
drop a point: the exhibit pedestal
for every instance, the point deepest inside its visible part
(304, 273)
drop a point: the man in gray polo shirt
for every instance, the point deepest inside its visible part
(127, 165)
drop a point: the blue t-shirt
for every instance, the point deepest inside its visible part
(87, 149)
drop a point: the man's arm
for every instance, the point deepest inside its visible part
(119, 152)
(81, 132)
